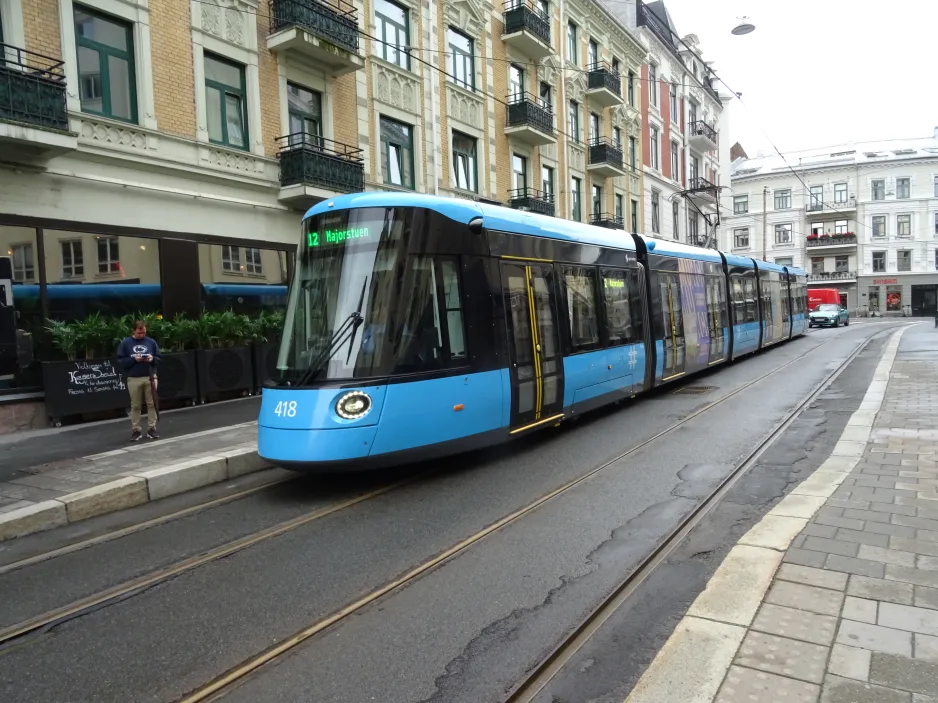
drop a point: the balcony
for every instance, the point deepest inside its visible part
(527, 29)
(313, 169)
(530, 120)
(831, 209)
(701, 136)
(33, 115)
(833, 277)
(604, 86)
(604, 219)
(605, 158)
(827, 241)
(531, 200)
(702, 190)
(324, 32)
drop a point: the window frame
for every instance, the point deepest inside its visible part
(523, 161)
(576, 204)
(675, 162)
(633, 164)
(907, 190)
(104, 51)
(655, 211)
(881, 257)
(306, 117)
(386, 145)
(840, 189)
(112, 245)
(619, 206)
(590, 272)
(783, 227)
(596, 199)
(878, 188)
(673, 101)
(740, 200)
(231, 258)
(906, 256)
(878, 219)
(380, 27)
(628, 285)
(633, 215)
(653, 138)
(841, 259)
(573, 117)
(653, 85)
(595, 128)
(738, 233)
(906, 220)
(73, 245)
(547, 180)
(470, 159)
(253, 261)
(572, 43)
(782, 199)
(28, 254)
(592, 55)
(457, 53)
(224, 91)
(630, 89)
(676, 219)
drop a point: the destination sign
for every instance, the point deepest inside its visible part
(331, 237)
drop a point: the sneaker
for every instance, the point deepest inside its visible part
(151, 434)
(135, 437)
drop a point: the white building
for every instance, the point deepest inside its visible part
(684, 143)
(861, 218)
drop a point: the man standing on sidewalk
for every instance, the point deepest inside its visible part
(140, 355)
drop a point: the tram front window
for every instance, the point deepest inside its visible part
(361, 305)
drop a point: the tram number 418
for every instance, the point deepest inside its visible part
(285, 408)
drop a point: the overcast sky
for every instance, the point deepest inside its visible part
(818, 73)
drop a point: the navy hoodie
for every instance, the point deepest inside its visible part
(130, 347)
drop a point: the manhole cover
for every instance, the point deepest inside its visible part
(693, 390)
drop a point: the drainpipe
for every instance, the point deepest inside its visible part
(765, 217)
(562, 106)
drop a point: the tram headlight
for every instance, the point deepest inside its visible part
(353, 405)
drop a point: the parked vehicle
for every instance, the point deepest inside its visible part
(817, 296)
(829, 315)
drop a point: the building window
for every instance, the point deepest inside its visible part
(841, 264)
(903, 225)
(620, 215)
(840, 227)
(461, 65)
(617, 137)
(615, 65)
(464, 162)
(516, 80)
(597, 200)
(936, 186)
(632, 153)
(782, 199)
(304, 109)
(225, 103)
(675, 167)
(106, 81)
(783, 234)
(936, 223)
(879, 261)
(655, 197)
(878, 189)
(904, 260)
(740, 204)
(24, 267)
(109, 260)
(547, 181)
(840, 192)
(694, 169)
(575, 199)
(630, 88)
(874, 298)
(594, 127)
(653, 84)
(633, 214)
(676, 219)
(903, 188)
(894, 298)
(936, 259)
(654, 148)
(592, 55)
(673, 103)
(741, 238)
(785, 261)
(573, 117)
(253, 264)
(547, 96)
(691, 112)
(571, 44)
(693, 227)
(230, 258)
(73, 263)
(817, 197)
(879, 225)
(817, 265)
(397, 153)
(519, 172)
(393, 27)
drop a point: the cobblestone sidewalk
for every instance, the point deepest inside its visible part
(847, 611)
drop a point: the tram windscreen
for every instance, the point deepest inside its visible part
(360, 305)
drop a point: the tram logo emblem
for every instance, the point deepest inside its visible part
(633, 357)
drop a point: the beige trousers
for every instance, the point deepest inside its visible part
(141, 392)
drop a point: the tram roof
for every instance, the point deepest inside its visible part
(682, 251)
(493, 217)
(769, 266)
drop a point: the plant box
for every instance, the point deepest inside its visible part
(224, 370)
(178, 379)
(83, 386)
(265, 361)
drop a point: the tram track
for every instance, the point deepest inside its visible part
(221, 685)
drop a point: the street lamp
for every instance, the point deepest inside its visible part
(744, 27)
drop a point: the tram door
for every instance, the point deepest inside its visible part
(537, 365)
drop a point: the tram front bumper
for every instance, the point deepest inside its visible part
(300, 448)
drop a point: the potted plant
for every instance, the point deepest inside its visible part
(265, 331)
(223, 354)
(811, 237)
(178, 378)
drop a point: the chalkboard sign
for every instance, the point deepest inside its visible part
(85, 386)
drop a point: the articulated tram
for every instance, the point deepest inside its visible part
(420, 326)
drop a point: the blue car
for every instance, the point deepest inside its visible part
(829, 315)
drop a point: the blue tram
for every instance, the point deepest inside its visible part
(420, 326)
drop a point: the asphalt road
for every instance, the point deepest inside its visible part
(465, 631)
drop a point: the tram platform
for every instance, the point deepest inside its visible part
(45, 482)
(833, 596)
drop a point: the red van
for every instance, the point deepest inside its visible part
(817, 296)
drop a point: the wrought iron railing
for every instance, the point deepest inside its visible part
(526, 16)
(602, 76)
(699, 183)
(336, 22)
(607, 220)
(307, 159)
(815, 205)
(532, 200)
(831, 240)
(702, 129)
(528, 109)
(605, 151)
(32, 89)
(833, 276)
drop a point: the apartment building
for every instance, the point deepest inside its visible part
(859, 217)
(681, 111)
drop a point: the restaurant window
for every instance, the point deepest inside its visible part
(230, 258)
(253, 263)
(580, 289)
(24, 265)
(393, 28)
(225, 102)
(464, 161)
(462, 67)
(873, 295)
(106, 82)
(397, 153)
(894, 298)
(247, 280)
(73, 265)
(109, 260)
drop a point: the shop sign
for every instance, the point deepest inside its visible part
(884, 281)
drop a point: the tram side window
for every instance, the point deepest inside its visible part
(768, 311)
(739, 300)
(580, 283)
(618, 307)
(749, 293)
(786, 301)
(452, 303)
(671, 309)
